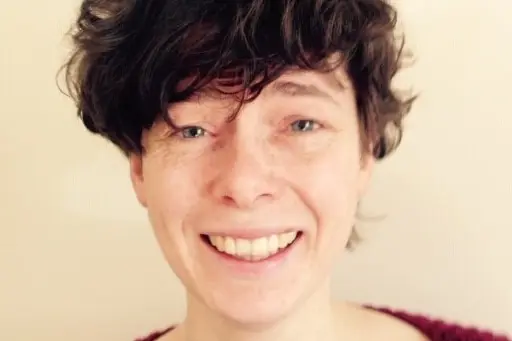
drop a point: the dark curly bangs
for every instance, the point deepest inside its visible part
(131, 56)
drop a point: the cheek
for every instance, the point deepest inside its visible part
(329, 187)
(170, 193)
(170, 196)
(168, 183)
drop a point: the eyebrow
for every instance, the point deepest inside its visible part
(291, 88)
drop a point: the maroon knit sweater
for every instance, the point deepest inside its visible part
(435, 330)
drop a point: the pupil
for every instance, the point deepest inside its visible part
(303, 125)
(193, 132)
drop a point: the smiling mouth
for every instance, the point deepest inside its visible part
(252, 249)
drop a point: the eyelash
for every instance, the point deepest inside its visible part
(310, 125)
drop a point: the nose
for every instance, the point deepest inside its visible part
(245, 175)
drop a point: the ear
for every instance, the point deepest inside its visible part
(137, 177)
(365, 173)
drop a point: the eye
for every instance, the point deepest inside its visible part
(192, 132)
(304, 126)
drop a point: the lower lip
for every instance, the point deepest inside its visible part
(247, 267)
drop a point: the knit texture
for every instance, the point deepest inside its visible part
(438, 330)
(435, 330)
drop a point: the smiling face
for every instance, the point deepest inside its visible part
(251, 213)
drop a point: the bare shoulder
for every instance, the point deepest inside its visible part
(373, 325)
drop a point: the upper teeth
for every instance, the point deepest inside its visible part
(253, 249)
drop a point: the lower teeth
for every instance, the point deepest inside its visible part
(253, 258)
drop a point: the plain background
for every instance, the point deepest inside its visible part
(78, 260)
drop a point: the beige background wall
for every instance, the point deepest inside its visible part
(78, 260)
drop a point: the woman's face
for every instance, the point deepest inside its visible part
(251, 213)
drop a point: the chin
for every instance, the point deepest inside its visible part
(255, 313)
(252, 292)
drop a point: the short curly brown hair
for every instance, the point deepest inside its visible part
(130, 55)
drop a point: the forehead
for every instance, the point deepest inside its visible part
(296, 91)
(320, 85)
(328, 85)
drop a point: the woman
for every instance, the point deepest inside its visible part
(252, 129)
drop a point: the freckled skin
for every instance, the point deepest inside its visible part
(287, 160)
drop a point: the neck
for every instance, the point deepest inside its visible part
(315, 319)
